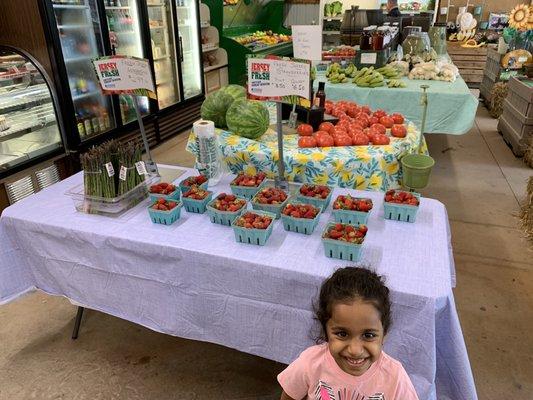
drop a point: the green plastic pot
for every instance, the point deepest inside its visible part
(416, 170)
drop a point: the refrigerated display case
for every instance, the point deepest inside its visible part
(249, 27)
(187, 13)
(124, 26)
(78, 27)
(161, 25)
(29, 127)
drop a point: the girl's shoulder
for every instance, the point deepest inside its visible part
(391, 366)
(316, 351)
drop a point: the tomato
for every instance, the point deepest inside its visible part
(398, 118)
(366, 110)
(304, 130)
(356, 125)
(379, 139)
(339, 130)
(325, 141)
(386, 121)
(353, 111)
(343, 140)
(399, 131)
(379, 113)
(373, 120)
(320, 133)
(355, 131)
(326, 126)
(360, 139)
(307, 141)
(378, 128)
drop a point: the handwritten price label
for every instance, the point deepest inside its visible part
(271, 78)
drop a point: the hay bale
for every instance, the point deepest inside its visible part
(497, 96)
(528, 155)
(526, 213)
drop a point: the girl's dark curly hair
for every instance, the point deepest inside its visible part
(348, 284)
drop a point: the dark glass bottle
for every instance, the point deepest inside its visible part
(320, 96)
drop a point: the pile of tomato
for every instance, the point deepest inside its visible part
(357, 126)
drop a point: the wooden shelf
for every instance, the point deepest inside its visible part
(214, 67)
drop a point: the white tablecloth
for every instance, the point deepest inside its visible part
(193, 280)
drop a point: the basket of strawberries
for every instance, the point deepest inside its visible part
(224, 208)
(164, 211)
(344, 241)
(253, 227)
(400, 205)
(300, 218)
(247, 185)
(198, 180)
(351, 210)
(270, 199)
(317, 195)
(196, 199)
(163, 190)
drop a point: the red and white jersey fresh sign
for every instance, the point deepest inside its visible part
(125, 75)
(276, 78)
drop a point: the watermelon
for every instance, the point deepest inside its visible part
(247, 118)
(215, 106)
(235, 91)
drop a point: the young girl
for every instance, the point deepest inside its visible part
(354, 311)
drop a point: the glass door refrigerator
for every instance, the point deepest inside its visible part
(164, 52)
(175, 39)
(77, 23)
(124, 24)
(187, 15)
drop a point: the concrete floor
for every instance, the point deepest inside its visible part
(478, 179)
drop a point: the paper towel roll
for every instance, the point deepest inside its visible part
(204, 128)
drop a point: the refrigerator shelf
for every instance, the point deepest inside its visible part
(158, 27)
(213, 67)
(70, 6)
(155, 5)
(117, 8)
(82, 96)
(206, 49)
(80, 26)
(78, 59)
(162, 58)
(124, 32)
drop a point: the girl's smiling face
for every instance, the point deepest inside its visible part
(355, 335)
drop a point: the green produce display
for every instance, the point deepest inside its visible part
(368, 77)
(235, 91)
(396, 83)
(332, 9)
(215, 107)
(249, 119)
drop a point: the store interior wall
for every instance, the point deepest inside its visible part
(22, 27)
(489, 6)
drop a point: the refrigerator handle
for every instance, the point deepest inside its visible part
(181, 49)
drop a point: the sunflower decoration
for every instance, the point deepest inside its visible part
(520, 17)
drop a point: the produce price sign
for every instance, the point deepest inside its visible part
(282, 80)
(125, 75)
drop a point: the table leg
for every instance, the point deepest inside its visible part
(77, 323)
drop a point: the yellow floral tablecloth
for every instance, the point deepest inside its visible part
(359, 167)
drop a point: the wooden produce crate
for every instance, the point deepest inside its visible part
(491, 75)
(470, 61)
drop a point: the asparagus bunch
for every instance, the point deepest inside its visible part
(128, 156)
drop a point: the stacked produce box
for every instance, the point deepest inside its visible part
(516, 121)
(491, 74)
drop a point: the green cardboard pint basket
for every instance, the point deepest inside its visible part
(165, 217)
(300, 225)
(246, 191)
(341, 250)
(251, 235)
(224, 217)
(416, 170)
(315, 201)
(196, 206)
(271, 208)
(401, 212)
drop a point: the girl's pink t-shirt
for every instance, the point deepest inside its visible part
(315, 375)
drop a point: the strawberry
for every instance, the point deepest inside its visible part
(249, 180)
(346, 233)
(228, 202)
(317, 191)
(270, 195)
(347, 202)
(250, 220)
(401, 197)
(196, 193)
